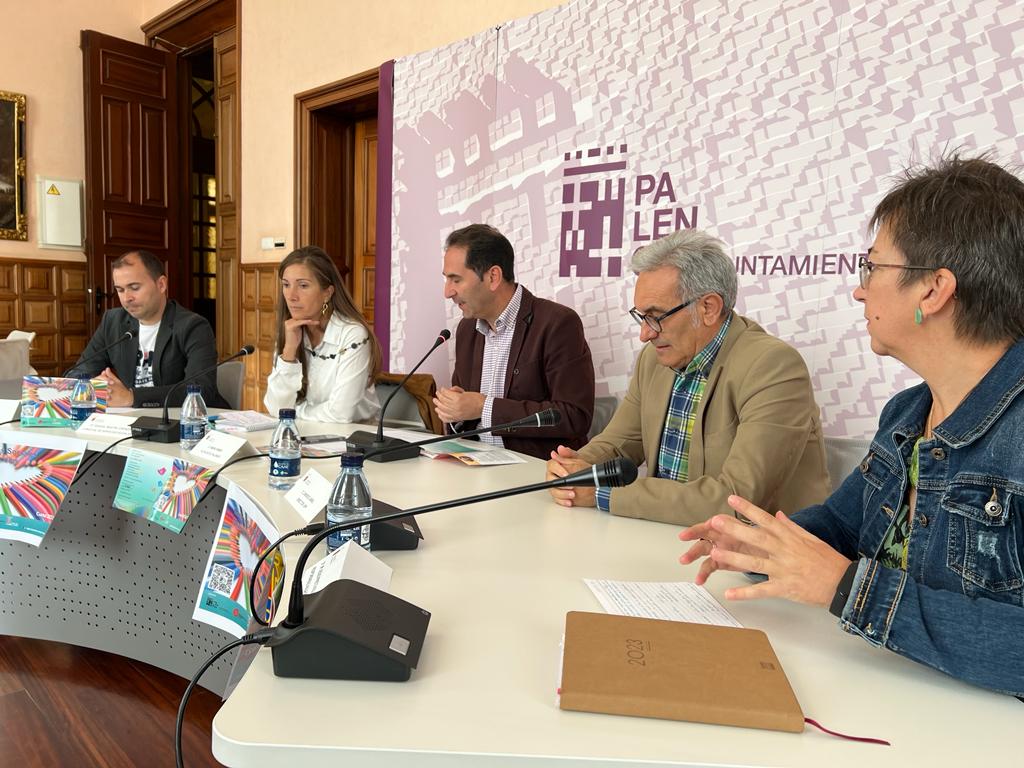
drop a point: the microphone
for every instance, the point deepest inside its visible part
(163, 430)
(548, 418)
(322, 643)
(102, 353)
(377, 441)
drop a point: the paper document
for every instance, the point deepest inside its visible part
(472, 453)
(669, 600)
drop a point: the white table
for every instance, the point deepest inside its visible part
(498, 578)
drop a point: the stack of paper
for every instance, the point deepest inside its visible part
(244, 421)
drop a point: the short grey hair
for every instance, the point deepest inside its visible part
(701, 260)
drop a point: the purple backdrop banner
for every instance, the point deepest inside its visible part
(586, 131)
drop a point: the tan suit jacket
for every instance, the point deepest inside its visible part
(757, 433)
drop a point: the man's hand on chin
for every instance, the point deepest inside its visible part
(118, 395)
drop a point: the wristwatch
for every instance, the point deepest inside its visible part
(843, 590)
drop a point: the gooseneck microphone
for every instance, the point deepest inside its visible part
(102, 353)
(374, 443)
(164, 430)
(549, 418)
(303, 642)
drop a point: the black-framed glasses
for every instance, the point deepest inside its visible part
(866, 267)
(654, 321)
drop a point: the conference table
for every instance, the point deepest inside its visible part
(498, 578)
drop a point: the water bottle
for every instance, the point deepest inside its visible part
(83, 401)
(285, 452)
(193, 417)
(350, 500)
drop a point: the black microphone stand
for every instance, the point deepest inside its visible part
(392, 448)
(164, 430)
(320, 644)
(102, 353)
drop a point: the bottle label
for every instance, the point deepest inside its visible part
(81, 412)
(282, 467)
(360, 535)
(194, 432)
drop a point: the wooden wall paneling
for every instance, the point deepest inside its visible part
(49, 298)
(259, 321)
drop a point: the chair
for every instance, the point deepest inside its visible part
(604, 409)
(413, 407)
(842, 455)
(14, 359)
(230, 380)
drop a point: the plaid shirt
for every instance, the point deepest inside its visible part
(687, 391)
(497, 346)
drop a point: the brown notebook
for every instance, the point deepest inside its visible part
(622, 665)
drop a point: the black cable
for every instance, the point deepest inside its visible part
(309, 530)
(83, 471)
(213, 478)
(260, 637)
(12, 421)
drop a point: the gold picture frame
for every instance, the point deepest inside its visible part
(13, 220)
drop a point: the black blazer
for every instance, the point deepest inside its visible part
(185, 345)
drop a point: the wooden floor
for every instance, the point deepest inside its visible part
(61, 705)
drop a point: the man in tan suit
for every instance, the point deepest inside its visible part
(716, 406)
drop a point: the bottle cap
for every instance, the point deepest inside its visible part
(286, 413)
(351, 459)
(193, 389)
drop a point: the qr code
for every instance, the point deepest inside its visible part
(222, 579)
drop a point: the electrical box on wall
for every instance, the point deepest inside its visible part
(60, 213)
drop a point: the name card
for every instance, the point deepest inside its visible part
(218, 447)
(310, 494)
(347, 562)
(10, 410)
(107, 425)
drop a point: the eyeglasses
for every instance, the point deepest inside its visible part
(866, 267)
(654, 321)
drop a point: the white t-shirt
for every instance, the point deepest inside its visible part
(144, 360)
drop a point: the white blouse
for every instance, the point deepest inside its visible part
(338, 388)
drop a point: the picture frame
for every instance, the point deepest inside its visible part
(13, 219)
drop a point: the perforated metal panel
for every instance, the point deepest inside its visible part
(109, 580)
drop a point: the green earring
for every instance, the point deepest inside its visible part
(918, 316)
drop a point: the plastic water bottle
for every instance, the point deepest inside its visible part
(83, 401)
(193, 417)
(285, 452)
(350, 500)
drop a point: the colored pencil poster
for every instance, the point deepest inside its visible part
(35, 474)
(243, 536)
(46, 400)
(162, 489)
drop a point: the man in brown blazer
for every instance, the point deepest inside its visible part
(716, 406)
(515, 354)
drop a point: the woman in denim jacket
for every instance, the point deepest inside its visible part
(921, 550)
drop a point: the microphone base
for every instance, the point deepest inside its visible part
(367, 441)
(351, 631)
(156, 430)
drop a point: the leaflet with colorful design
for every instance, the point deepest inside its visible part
(162, 489)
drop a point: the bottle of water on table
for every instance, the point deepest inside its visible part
(83, 401)
(193, 419)
(285, 452)
(350, 500)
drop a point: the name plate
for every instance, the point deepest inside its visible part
(218, 447)
(107, 425)
(309, 495)
(10, 410)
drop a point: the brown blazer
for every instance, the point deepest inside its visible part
(549, 366)
(757, 434)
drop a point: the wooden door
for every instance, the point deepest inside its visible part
(364, 229)
(131, 160)
(225, 53)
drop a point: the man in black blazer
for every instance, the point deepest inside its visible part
(168, 343)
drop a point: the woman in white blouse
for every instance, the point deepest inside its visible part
(327, 355)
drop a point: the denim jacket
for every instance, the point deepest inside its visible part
(959, 607)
